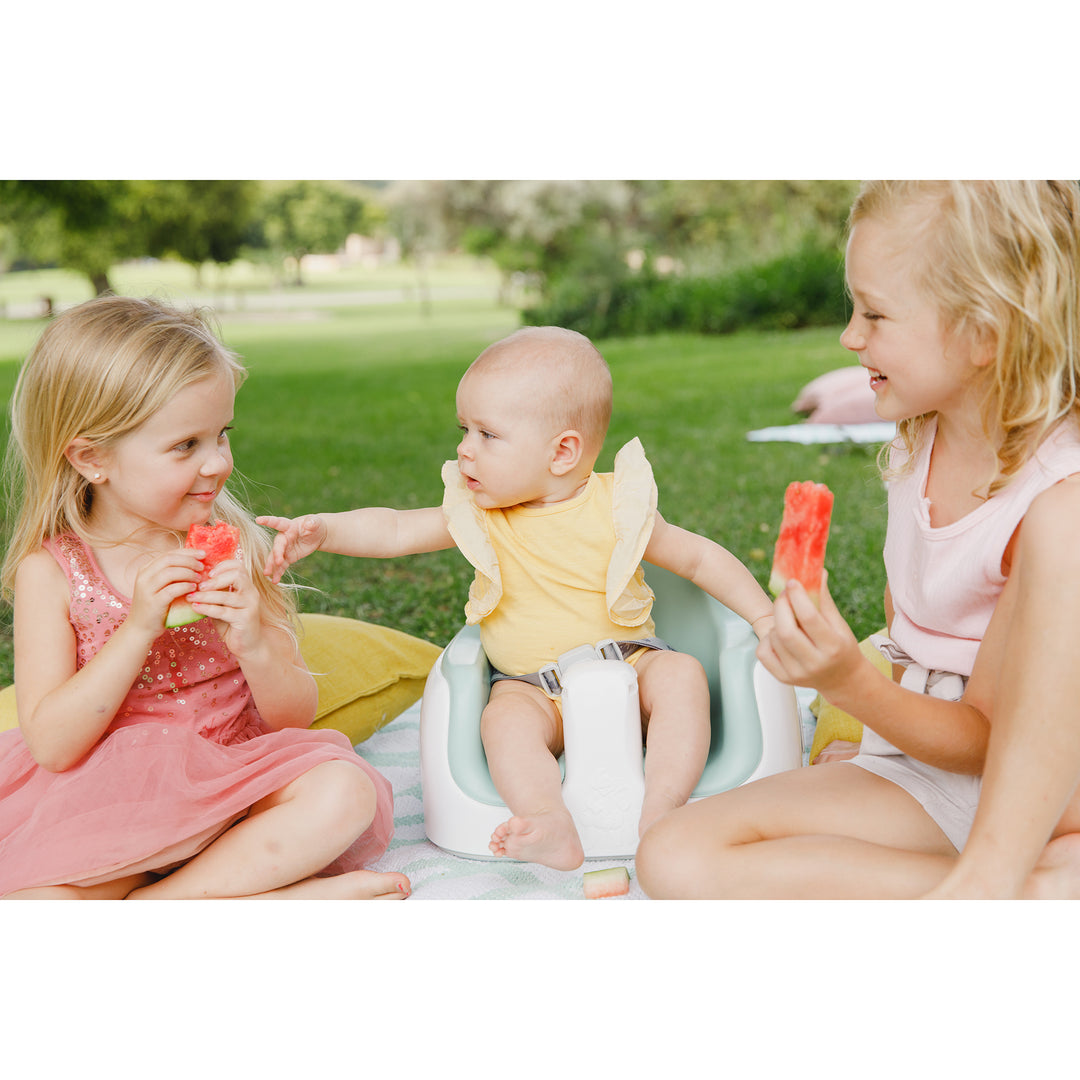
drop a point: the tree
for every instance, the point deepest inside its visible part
(716, 225)
(202, 221)
(300, 217)
(540, 228)
(86, 225)
(89, 225)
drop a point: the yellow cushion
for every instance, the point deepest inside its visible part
(833, 723)
(8, 717)
(366, 674)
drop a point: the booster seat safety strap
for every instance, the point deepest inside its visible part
(549, 677)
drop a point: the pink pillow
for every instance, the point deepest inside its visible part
(838, 397)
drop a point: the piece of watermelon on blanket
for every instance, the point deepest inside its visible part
(220, 541)
(804, 532)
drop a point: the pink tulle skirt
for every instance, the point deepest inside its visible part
(149, 796)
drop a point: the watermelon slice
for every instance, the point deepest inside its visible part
(804, 532)
(220, 542)
(614, 881)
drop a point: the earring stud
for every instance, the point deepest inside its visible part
(97, 476)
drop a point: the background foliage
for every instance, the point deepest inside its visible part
(714, 302)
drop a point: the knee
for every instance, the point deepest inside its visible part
(666, 670)
(668, 860)
(346, 799)
(688, 667)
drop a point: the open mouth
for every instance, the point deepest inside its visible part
(876, 378)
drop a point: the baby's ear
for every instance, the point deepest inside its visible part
(85, 458)
(567, 450)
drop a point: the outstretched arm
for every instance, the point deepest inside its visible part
(712, 568)
(372, 532)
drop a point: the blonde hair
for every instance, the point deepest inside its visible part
(1000, 260)
(98, 372)
(569, 381)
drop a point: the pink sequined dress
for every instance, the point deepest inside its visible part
(186, 755)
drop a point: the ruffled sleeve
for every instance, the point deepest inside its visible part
(468, 526)
(633, 512)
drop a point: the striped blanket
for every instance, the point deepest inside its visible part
(437, 875)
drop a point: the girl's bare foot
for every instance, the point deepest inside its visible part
(548, 838)
(357, 885)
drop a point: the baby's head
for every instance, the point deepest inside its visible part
(1000, 260)
(559, 380)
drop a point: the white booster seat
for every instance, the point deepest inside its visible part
(755, 728)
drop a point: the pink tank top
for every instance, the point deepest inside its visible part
(945, 582)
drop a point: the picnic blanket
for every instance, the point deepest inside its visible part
(438, 875)
(881, 432)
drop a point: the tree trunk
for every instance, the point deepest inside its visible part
(100, 280)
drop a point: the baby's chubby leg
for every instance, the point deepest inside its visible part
(522, 734)
(674, 692)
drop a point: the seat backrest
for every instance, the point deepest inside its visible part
(690, 621)
(694, 622)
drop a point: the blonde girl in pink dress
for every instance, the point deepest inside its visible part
(155, 763)
(966, 316)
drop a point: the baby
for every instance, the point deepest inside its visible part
(557, 550)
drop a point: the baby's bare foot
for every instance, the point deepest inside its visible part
(549, 838)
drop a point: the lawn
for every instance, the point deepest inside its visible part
(353, 405)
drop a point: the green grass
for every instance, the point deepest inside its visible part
(356, 408)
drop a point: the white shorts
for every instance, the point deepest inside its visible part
(949, 798)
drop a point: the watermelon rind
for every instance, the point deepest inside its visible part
(614, 881)
(181, 613)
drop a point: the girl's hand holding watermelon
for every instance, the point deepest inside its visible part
(229, 597)
(811, 644)
(163, 579)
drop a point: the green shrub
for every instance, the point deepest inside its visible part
(801, 289)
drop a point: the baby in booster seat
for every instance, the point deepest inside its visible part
(557, 549)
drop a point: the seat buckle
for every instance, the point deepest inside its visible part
(608, 649)
(550, 679)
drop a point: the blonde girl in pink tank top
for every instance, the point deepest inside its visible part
(155, 763)
(966, 316)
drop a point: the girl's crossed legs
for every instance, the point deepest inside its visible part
(831, 831)
(271, 853)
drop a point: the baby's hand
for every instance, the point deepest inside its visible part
(297, 538)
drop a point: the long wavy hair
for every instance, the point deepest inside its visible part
(1000, 259)
(98, 372)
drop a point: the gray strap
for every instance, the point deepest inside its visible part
(549, 677)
